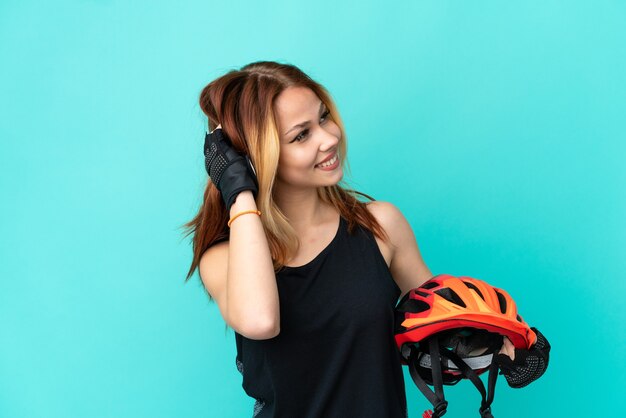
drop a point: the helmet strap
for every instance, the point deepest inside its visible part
(436, 397)
(487, 396)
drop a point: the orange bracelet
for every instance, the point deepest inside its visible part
(258, 212)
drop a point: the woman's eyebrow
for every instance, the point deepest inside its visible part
(303, 124)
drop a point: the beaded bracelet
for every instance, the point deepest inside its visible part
(258, 212)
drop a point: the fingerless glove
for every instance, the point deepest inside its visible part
(528, 366)
(229, 171)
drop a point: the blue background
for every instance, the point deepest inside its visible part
(497, 127)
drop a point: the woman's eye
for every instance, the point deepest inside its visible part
(304, 133)
(301, 135)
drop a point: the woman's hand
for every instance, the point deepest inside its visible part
(229, 171)
(521, 367)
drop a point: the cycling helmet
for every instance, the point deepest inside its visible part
(449, 329)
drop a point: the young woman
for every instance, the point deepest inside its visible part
(305, 273)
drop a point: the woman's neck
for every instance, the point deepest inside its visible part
(304, 209)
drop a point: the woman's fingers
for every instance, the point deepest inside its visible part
(508, 348)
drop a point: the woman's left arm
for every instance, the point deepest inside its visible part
(520, 367)
(407, 266)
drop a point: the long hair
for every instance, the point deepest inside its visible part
(243, 102)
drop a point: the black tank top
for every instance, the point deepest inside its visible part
(335, 355)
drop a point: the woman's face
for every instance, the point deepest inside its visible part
(308, 136)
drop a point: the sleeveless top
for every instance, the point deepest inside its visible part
(335, 355)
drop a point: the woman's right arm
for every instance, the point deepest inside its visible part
(239, 275)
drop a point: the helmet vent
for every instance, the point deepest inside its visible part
(474, 288)
(519, 318)
(413, 306)
(451, 296)
(502, 301)
(429, 285)
(422, 294)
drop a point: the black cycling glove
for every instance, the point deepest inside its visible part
(229, 171)
(528, 365)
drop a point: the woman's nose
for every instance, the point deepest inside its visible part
(328, 140)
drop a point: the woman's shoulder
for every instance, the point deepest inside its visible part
(213, 266)
(386, 213)
(216, 250)
(387, 216)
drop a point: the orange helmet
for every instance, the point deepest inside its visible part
(444, 323)
(446, 302)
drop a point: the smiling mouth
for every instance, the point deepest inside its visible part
(329, 162)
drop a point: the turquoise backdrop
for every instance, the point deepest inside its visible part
(497, 127)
